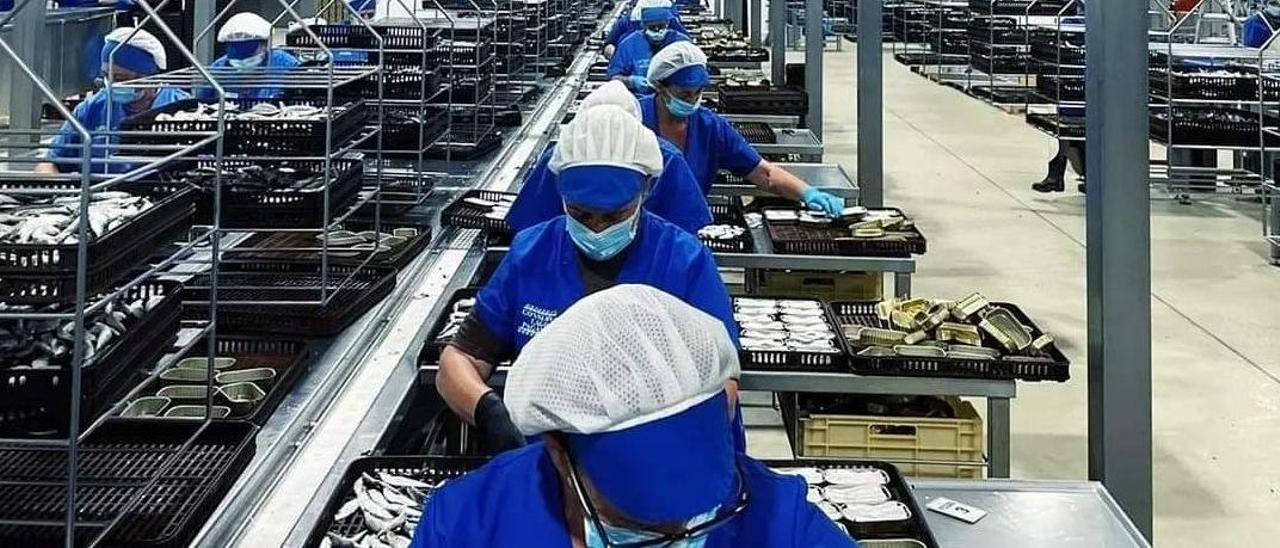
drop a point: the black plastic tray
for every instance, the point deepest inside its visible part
(288, 358)
(265, 209)
(863, 313)
(756, 132)
(427, 469)
(807, 362)
(431, 350)
(253, 137)
(357, 36)
(45, 274)
(38, 399)
(1205, 125)
(400, 133)
(730, 214)
(917, 527)
(463, 215)
(277, 281)
(1061, 88)
(792, 238)
(117, 463)
(279, 246)
(774, 100)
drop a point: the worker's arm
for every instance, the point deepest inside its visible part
(775, 180)
(461, 382)
(46, 168)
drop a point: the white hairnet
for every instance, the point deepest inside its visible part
(642, 4)
(612, 93)
(607, 135)
(245, 26)
(143, 40)
(673, 58)
(622, 357)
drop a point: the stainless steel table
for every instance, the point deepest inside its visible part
(793, 141)
(1023, 514)
(829, 177)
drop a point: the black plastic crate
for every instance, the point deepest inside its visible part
(730, 214)
(44, 274)
(1229, 83)
(405, 134)
(460, 214)
(288, 358)
(253, 137)
(774, 100)
(245, 206)
(756, 132)
(793, 238)
(282, 247)
(863, 313)
(38, 399)
(359, 37)
(288, 282)
(1058, 126)
(916, 528)
(1061, 88)
(421, 468)
(435, 345)
(916, 59)
(118, 463)
(1211, 126)
(737, 55)
(807, 362)
(996, 30)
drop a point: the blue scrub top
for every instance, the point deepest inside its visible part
(623, 26)
(634, 53)
(711, 144)
(517, 500)
(276, 59)
(1256, 31)
(541, 277)
(675, 196)
(94, 116)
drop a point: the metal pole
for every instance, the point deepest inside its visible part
(813, 43)
(778, 40)
(24, 98)
(753, 30)
(1119, 257)
(201, 16)
(870, 103)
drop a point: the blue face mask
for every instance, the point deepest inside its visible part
(656, 36)
(621, 535)
(680, 108)
(248, 62)
(606, 244)
(125, 96)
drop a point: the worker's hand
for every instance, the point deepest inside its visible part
(608, 51)
(497, 432)
(639, 83)
(818, 200)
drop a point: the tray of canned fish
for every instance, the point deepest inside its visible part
(461, 303)
(728, 231)
(788, 335)
(263, 194)
(396, 245)
(483, 209)
(36, 356)
(969, 337)
(868, 499)
(859, 231)
(297, 127)
(39, 238)
(250, 377)
(136, 472)
(380, 500)
(351, 292)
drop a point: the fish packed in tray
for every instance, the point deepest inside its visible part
(859, 221)
(787, 325)
(207, 112)
(855, 494)
(42, 344)
(43, 220)
(353, 243)
(721, 232)
(390, 506)
(254, 178)
(496, 210)
(970, 328)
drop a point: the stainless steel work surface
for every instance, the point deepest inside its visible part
(1021, 514)
(792, 141)
(829, 177)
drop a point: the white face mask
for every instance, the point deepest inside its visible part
(248, 62)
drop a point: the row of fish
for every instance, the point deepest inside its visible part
(208, 112)
(784, 325)
(56, 220)
(859, 495)
(255, 178)
(390, 507)
(39, 344)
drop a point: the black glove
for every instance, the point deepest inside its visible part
(497, 432)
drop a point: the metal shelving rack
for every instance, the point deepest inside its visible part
(1057, 52)
(999, 47)
(945, 30)
(134, 161)
(909, 19)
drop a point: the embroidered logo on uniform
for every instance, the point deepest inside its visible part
(534, 318)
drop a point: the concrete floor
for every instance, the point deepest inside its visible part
(963, 169)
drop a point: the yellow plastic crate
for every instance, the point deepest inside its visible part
(828, 286)
(900, 440)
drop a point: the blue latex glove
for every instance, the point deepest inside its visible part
(818, 200)
(639, 83)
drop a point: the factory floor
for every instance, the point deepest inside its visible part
(964, 169)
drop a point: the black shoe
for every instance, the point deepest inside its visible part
(1049, 184)
(1081, 188)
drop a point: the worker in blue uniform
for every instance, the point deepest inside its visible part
(630, 63)
(710, 143)
(675, 195)
(625, 390)
(247, 37)
(1259, 27)
(126, 55)
(629, 21)
(605, 160)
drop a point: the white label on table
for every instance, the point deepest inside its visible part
(958, 510)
